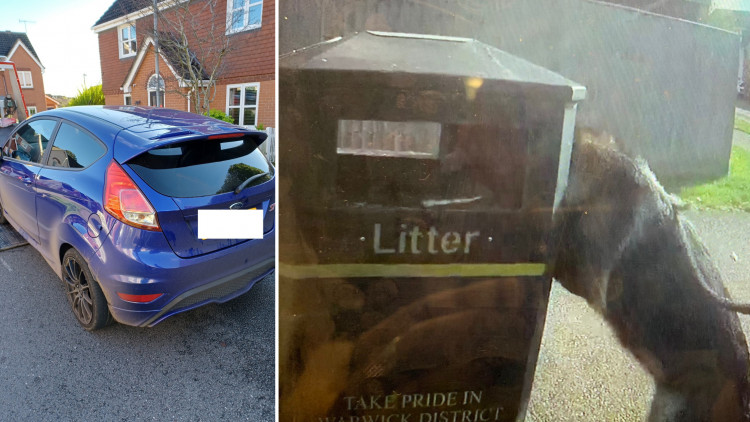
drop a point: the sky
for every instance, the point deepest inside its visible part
(62, 37)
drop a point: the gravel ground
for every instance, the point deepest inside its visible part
(583, 374)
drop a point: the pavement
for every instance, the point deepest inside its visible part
(584, 374)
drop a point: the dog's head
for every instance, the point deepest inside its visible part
(605, 198)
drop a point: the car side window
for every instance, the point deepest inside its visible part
(74, 148)
(30, 141)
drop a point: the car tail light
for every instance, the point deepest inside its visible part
(126, 202)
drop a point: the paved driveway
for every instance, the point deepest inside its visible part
(213, 363)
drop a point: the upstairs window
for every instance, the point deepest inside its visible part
(126, 38)
(243, 15)
(24, 76)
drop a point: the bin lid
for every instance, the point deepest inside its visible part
(390, 52)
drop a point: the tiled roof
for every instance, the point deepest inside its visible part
(122, 8)
(8, 40)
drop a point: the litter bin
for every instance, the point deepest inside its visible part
(418, 181)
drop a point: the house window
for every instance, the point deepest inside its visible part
(243, 15)
(127, 99)
(24, 77)
(242, 103)
(32, 110)
(155, 85)
(126, 38)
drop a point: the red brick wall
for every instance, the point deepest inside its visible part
(267, 104)
(252, 59)
(113, 99)
(114, 69)
(33, 96)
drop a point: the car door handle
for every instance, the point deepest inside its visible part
(26, 181)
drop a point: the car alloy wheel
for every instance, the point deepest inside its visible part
(86, 298)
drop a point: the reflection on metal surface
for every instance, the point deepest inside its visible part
(438, 202)
(393, 139)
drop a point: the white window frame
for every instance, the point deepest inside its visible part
(125, 99)
(22, 77)
(120, 41)
(242, 105)
(163, 90)
(32, 110)
(246, 5)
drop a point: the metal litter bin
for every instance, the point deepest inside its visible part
(416, 194)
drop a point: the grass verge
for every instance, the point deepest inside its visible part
(728, 193)
(741, 124)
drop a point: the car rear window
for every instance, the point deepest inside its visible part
(202, 167)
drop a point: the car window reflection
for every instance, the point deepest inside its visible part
(30, 142)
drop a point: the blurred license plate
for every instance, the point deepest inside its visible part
(230, 224)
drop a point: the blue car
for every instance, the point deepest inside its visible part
(109, 195)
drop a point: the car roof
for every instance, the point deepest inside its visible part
(139, 119)
(144, 128)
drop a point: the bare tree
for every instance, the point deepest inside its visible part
(193, 40)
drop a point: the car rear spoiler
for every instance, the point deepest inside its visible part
(130, 145)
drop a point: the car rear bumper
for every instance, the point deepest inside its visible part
(145, 265)
(220, 290)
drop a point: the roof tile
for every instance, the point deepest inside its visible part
(8, 40)
(120, 8)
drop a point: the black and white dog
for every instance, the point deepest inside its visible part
(622, 245)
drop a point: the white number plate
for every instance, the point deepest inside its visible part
(230, 224)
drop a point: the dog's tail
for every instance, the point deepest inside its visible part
(694, 247)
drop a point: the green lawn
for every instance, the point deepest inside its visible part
(741, 124)
(728, 193)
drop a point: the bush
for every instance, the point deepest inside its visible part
(220, 115)
(92, 95)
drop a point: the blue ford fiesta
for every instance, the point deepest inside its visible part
(110, 197)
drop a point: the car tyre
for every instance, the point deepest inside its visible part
(84, 294)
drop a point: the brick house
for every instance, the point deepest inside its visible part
(15, 47)
(245, 83)
(51, 102)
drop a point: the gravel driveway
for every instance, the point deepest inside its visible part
(583, 373)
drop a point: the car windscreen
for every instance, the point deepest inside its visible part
(203, 167)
